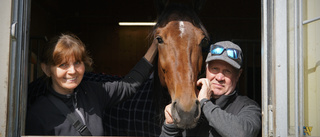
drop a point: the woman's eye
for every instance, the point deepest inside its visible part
(63, 65)
(77, 63)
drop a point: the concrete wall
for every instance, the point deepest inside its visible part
(5, 18)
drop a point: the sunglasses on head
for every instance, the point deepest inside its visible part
(231, 52)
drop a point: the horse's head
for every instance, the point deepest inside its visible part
(179, 34)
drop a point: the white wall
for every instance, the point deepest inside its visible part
(5, 17)
(311, 67)
(311, 70)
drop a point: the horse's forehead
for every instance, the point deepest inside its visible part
(180, 28)
(180, 24)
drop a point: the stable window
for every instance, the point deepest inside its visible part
(243, 29)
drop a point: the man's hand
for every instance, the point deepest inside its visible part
(167, 113)
(205, 91)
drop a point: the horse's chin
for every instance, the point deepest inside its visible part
(186, 126)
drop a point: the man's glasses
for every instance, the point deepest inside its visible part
(232, 53)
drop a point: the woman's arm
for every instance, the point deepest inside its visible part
(152, 52)
(120, 90)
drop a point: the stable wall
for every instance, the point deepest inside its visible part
(5, 15)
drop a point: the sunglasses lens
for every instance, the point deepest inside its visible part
(216, 50)
(232, 53)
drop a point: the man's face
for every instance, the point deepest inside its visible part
(223, 77)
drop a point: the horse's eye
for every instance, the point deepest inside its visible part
(160, 40)
(204, 42)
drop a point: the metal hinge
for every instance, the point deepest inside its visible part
(270, 120)
(14, 30)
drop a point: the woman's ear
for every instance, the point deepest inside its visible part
(45, 68)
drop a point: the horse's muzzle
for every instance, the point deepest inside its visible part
(186, 119)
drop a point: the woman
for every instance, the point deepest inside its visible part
(64, 62)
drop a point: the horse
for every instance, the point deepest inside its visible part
(180, 35)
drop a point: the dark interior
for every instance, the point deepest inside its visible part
(115, 49)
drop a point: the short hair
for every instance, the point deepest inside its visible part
(63, 48)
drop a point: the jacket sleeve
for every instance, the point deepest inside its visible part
(170, 130)
(118, 91)
(247, 123)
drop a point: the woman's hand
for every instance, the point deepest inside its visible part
(167, 114)
(205, 91)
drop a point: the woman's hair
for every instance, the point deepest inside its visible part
(63, 48)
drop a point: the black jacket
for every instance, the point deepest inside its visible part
(91, 98)
(229, 116)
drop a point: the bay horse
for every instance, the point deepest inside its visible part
(180, 34)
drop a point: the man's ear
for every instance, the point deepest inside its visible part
(45, 68)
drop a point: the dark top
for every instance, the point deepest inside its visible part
(91, 98)
(230, 116)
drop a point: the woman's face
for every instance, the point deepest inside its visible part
(67, 76)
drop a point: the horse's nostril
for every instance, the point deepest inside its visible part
(174, 104)
(198, 110)
(197, 102)
(175, 112)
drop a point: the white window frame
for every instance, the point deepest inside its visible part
(274, 67)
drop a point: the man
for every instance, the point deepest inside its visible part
(224, 112)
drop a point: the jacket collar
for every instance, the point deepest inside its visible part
(61, 96)
(224, 100)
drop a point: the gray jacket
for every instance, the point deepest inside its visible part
(230, 116)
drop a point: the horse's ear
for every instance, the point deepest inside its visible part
(198, 5)
(160, 5)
